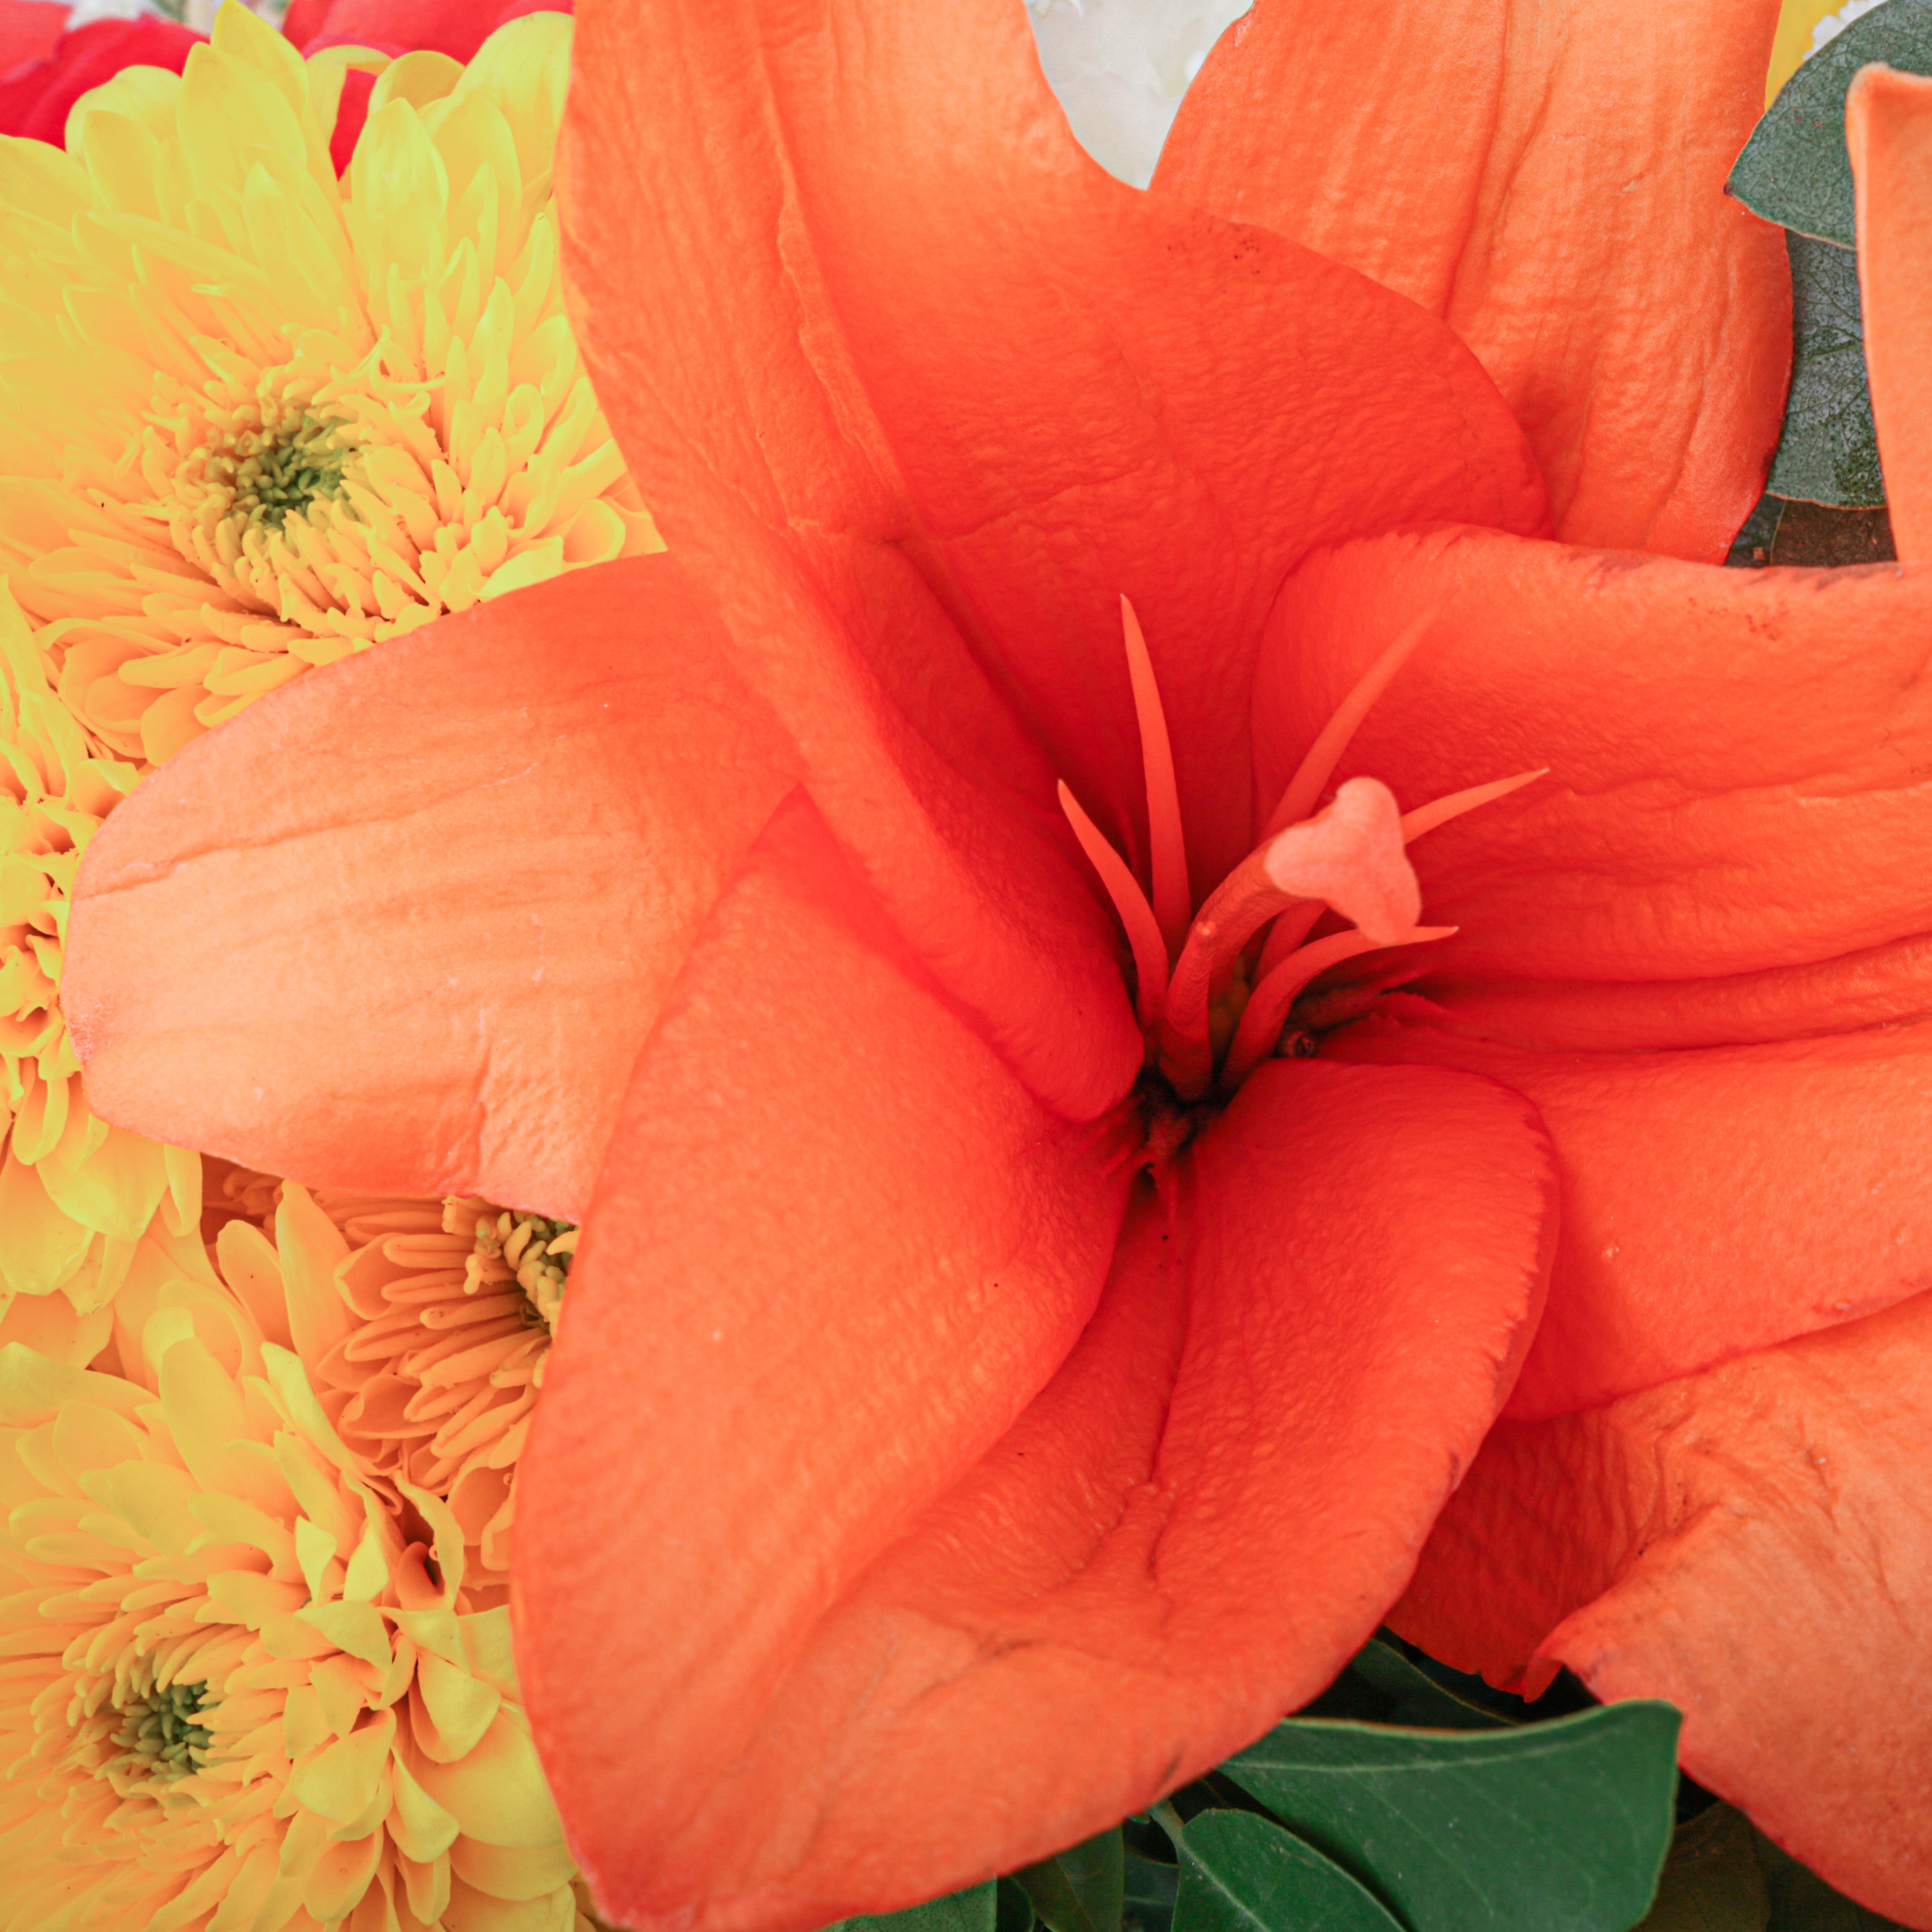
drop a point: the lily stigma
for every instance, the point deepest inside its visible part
(1211, 1003)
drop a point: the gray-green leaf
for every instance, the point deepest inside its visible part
(1080, 1890)
(1795, 169)
(1563, 1826)
(1241, 1874)
(1829, 450)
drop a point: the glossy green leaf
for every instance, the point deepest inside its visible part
(1239, 1873)
(1829, 450)
(1081, 1890)
(974, 1910)
(1795, 169)
(1562, 1826)
(1712, 1881)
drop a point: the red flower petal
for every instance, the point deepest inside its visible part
(1740, 761)
(457, 28)
(1752, 1544)
(30, 30)
(34, 100)
(853, 1651)
(1550, 182)
(1889, 127)
(882, 299)
(1714, 1201)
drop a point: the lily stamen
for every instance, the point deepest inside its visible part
(1266, 1013)
(1319, 763)
(1167, 846)
(1349, 858)
(1143, 929)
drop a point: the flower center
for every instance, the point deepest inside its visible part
(158, 1732)
(283, 463)
(537, 1252)
(254, 480)
(1215, 986)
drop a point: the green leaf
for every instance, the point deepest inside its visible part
(1712, 1881)
(1081, 1889)
(1829, 450)
(1795, 169)
(1243, 1873)
(1561, 1826)
(1012, 1909)
(972, 1910)
(1801, 1901)
(1149, 1892)
(1417, 1697)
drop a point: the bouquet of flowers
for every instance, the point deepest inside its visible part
(918, 998)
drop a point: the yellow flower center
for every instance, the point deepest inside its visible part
(537, 1252)
(272, 456)
(158, 1732)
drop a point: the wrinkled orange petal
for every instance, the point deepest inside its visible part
(1714, 1201)
(865, 1633)
(403, 925)
(1888, 129)
(1869, 988)
(1752, 1544)
(1740, 762)
(836, 1250)
(1549, 179)
(885, 308)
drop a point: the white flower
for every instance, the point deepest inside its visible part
(1120, 66)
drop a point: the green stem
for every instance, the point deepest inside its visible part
(1164, 1815)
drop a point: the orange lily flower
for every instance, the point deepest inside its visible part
(997, 1381)
(1751, 1541)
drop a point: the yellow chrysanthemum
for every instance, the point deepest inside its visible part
(439, 1320)
(240, 1693)
(76, 1195)
(252, 419)
(459, 1303)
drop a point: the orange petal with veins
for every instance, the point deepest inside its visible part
(1752, 1544)
(905, 1570)
(1549, 179)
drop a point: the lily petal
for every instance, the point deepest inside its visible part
(837, 1248)
(1627, 1543)
(806, 1303)
(1549, 179)
(1714, 1201)
(1740, 762)
(1888, 129)
(403, 925)
(883, 300)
